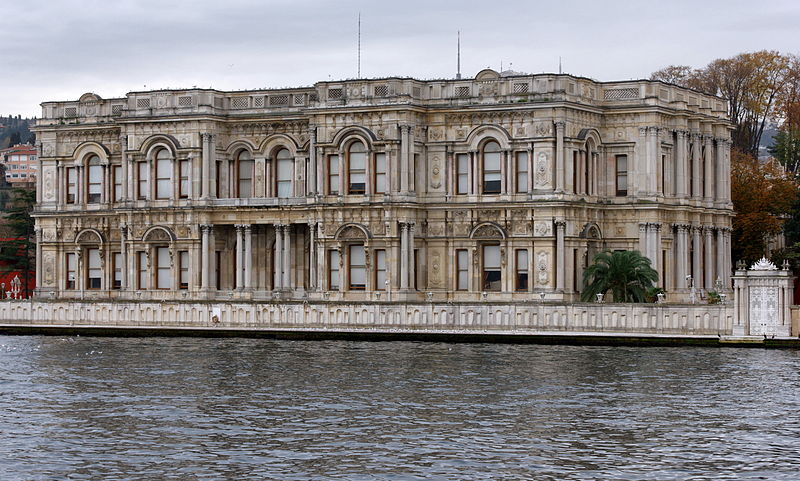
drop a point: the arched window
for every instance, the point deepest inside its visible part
(163, 174)
(491, 268)
(94, 181)
(244, 174)
(283, 173)
(491, 168)
(356, 168)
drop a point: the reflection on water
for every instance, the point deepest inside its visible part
(203, 409)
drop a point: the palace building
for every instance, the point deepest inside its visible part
(498, 188)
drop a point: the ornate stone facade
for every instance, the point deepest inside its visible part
(497, 187)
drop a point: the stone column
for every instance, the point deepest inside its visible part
(474, 179)
(81, 187)
(720, 256)
(719, 179)
(278, 258)
(708, 174)
(207, 187)
(681, 255)
(123, 147)
(696, 138)
(239, 256)
(404, 256)
(205, 253)
(561, 267)
(643, 239)
(727, 256)
(680, 164)
(38, 266)
(652, 160)
(287, 256)
(404, 158)
(560, 125)
(411, 265)
(312, 161)
(312, 255)
(123, 250)
(697, 273)
(708, 262)
(248, 256)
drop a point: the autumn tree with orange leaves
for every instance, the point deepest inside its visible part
(763, 196)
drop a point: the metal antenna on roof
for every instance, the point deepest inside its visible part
(458, 61)
(559, 64)
(359, 45)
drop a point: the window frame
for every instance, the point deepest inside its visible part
(353, 268)
(485, 172)
(380, 270)
(620, 174)
(464, 160)
(462, 256)
(521, 269)
(351, 172)
(93, 269)
(287, 181)
(242, 180)
(485, 281)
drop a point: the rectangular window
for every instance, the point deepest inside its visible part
(333, 174)
(144, 180)
(245, 187)
(522, 172)
(141, 268)
(93, 276)
(117, 173)
(380, 270)
(163, 177)
(183, 265)
(357, 182)
(95, 184)
(462, 174)
(491, 172)
(462, 270)
(491, 268)
(521, 283)
(358, 268)
(163, 275)
(285, 177)
(71, 266)
(380, 173)
(183, 188)
(217, 270)
(622, 175)
(333, 270)
(116, 282)
(72, 185)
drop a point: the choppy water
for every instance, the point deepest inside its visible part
(208, 409)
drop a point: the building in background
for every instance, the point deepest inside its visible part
(20, 163)
(497, 188)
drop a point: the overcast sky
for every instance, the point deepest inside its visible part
(60, 49)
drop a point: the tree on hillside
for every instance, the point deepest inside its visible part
(763, 196)
(627, 274)
(17, 254)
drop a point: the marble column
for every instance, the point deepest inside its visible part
(206, 166)
(561, 266)
(404, 158)
(239, 256)
(643, 239)
(708, 255)
(560, 168)
(404, 256)
(411, 265)
(278, 258)
(681, 255)
(680, 164)
(720, 255)
(696, 174)
(697, 248)
(123, 147)
(708, 174)
(123, 250)
(248, 256)
(652, 160)
(287, 257)
(38, 265)
(312, 161)
(205, 257)
(312, 255)
(727, 256)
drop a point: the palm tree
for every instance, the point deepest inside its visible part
(627, 274)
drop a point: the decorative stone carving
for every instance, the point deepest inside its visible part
(543, 129)
(542, 229)
(436, 172)
(542, 274)
(49, 268)
(764, 264)
(158, 235)
(487, 231)
(542, 175)
(351, 233)
(436, 279)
